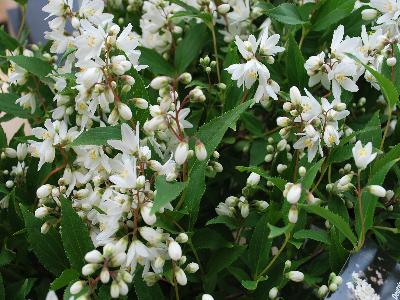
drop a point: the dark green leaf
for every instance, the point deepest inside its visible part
(7, 41)
(277, 231)
(330, 12)
(47, 247)
(7, 104)
(309, 178)
(33, 65)
(190, 47)
(277, 181)
(296, 73)
(223, 258)
(2, 291)
(286, 13)
(157, 64)
(67, 276)
(259, 246)
(98, 136)
(316, 235)
(75, 235)
(144, 292)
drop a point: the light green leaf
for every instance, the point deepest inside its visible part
(211, 135)
(286, 13)
(7, 104)
(66, 277)
(316, 235)
(75, 235)
(259, 246)
(277, 181)
(296, 73)
(98, 136)
(375, 135)
(309, 178)
(47, 247)
(388, 89)
(33, 65)
(333, 219)
(330, 12)
(252, 285)
(277, 231)
(166, 192)
(157, 64)
(190, 47)
(7, 41)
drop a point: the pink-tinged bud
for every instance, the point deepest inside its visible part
(293, 214)
(76, 287)
(174, 250)
(200, 150)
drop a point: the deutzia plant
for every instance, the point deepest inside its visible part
(197, 149)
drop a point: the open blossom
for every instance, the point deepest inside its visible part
(363, 155)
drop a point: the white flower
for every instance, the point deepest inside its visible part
(311, 140)
(253, 179)
(27, 101)
(174, 250)
(137, 251)
(129, 143)
(90, 42)
(331, 136)
(295, 276)
(124, 169)
(180, 276)
(294, 193)
(363, 156)
(268, 44)
(181, 153)
(340, 77)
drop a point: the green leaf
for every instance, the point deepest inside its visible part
(316, 235)
(33, 65)
(157, 64)
(393, 73)
(296, 73)
(331, 12)
(228, 221)
(260, 246)
(211, 135)
(309, 178)
(66, 277)
(185, 6)
(7, 104)
(375, 135)
(190, 47)
(2, 291)
(166, 192)
(75, 235)
(333, 219)
(144, 292)
(47, 247)
(251, 285)
(341, 153)
(7, 41)
(98, 136)
(277, 231)
(138, 90)
(286, 13)
(393, 154)
(223, 258)
(277, 181)
(388, 89)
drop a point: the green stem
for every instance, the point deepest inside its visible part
(393, 230)
(211, 26)
(360, 210)
(21, 26)
(287, 238)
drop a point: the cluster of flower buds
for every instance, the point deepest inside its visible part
(207, 64)
(274, 148)
(213, 165)
(16, 175)
(341, 186)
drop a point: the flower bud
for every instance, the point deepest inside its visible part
(76, 287)
(333, 287)
(140, 182)
(369, 14)
(268, 158)
(283, 121)
(281, 145)
(9, 184)
(207, 297)
(281, 168)
(124, 111)
(287, 106)
(148, 217)
(253, 179)
(10, 152)
(293, 214)
(322, 291)
(45, 228)
(182, 238)
(44, 191)
(223, 8)
(185, 78)
(294, 193)
(273, 293)
(174, 250)
(94, 256)
(159, 262)
(181, 153)
(261, 205)
(192, 268)
(338, 280)
(245, 210)
(41, 212)
(295, 276)
(376, 190)
(22, 151)
(75, 22)
(391, 61)
(200, 150)
(105, 275)
(89, 269)
(140, 103)
(288, 264)
(302, 171)
(180, 276)
(159, 82)
(114, 290)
